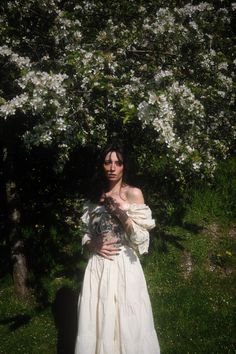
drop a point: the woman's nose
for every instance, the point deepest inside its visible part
(112, 167)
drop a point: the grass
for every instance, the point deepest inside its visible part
(24, 328)
(193, 310)
(191, 278)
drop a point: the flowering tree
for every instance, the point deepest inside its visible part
(158, 74)
(80, 70)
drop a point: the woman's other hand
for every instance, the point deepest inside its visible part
(112, 206)
(105, 249)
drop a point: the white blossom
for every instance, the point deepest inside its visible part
(21, 62)
(168, 66)
(162, 74)
(10, 107)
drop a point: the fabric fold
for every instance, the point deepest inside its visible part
(141, 216)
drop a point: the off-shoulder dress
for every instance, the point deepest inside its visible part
(114, 309)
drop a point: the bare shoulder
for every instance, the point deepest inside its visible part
(135, 195)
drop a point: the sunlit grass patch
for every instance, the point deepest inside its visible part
(192, 297)
(24, 328)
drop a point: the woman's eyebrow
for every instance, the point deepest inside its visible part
(118, 160)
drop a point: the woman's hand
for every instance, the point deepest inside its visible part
(112, 206)
(106, 249)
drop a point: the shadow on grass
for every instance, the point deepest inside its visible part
(64, 310)
(16, 322)
(166, 239)
(194, 228)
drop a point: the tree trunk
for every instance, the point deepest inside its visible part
(14, 230)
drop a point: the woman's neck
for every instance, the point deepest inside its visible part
(115, 187)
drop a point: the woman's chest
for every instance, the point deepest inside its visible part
(103, 224)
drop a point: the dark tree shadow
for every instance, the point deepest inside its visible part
(196, 229)
(16, 322)
(64, 310)
(166, 238)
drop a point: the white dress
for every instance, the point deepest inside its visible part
(114, 310)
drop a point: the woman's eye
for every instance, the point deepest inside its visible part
(119, 163)
(108, 162)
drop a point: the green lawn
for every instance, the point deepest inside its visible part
(192, 292)
(24, 328)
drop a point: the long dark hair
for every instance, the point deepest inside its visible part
(99, 183)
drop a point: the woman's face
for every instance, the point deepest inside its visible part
(113, 166)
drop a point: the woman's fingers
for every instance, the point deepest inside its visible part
(107, 249)
(111, 250)
(107, 254)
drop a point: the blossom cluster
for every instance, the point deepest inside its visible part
(166, 68)
(10, 107)
(37, 86)
(43, 81)
(21, 62)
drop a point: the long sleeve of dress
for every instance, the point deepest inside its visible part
(142, 222)
(85, 220)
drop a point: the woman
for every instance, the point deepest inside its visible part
(115, 315)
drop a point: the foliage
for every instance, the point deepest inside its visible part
(54, 251)
(151, 71)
